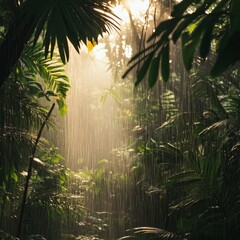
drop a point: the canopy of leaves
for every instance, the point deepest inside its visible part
(199, 24)
(57, 22)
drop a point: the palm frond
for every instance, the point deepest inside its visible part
(4, 235)
(209, 91)
(73, 20)
(153, 233)
(217, 125)
(44, 77)
(56, 22)
(175, 120)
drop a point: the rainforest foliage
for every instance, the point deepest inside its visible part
(199, 25)
(184, 178)
(188, 133)
(32, 77)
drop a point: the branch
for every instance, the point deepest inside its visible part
(30, 170)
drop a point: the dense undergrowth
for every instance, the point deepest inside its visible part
(182, 175)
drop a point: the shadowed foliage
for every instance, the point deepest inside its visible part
(199, 25)
(55, 22)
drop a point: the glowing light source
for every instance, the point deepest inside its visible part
(137, 8)
(120, 11)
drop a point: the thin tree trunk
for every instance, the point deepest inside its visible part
(30, 171)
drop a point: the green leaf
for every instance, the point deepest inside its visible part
(62, 107)
(138, 61)
(182, 25)
(206, 41)
(144, 52)
(50, 93)
(179, 9)
(165, 63)
(153, 71)
(144, 68)
(189, 45)
(72, 19)
(41, 21)
(186, 55)
(165, 27)
(14, 177)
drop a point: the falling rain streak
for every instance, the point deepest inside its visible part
(90, 131)
(158, 159)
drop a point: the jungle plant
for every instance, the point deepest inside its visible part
(199, 25)
(53, 22)
(28, 74)
(196, 172)
(34, 78)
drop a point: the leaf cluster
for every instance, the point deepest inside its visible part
(200, 25)
(59, 22)
(190, 160)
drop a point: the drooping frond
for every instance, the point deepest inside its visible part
(56, 22)
(45, 77)
(152, 233)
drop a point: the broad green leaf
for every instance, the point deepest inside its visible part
(165, 63)
(185, 22)
(140, 59)
(145, 51)
(206, 42)
(144, 68)
(153, 71)
(229, 52)
(165, 26)
(189, 45)
(186, 57)
(41, 21)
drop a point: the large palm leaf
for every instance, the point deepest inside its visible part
(44, 77)
(58, 22)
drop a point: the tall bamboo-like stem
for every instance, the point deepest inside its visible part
(30, 170)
